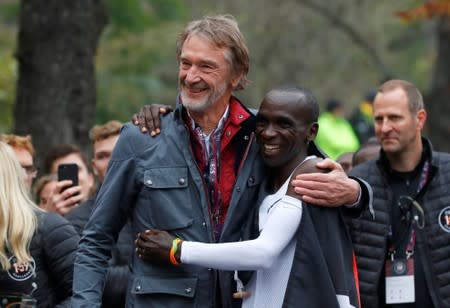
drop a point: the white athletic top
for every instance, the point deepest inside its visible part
(271, 254)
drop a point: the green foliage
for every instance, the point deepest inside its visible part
(7, 90)
(9, 9)
(8, 71)
(136, 61)
(138, 15)
(289, 42)
(168, 10)
(134, 69)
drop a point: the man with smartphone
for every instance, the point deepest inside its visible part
(104, 138)
(75, 181)
(68, 172)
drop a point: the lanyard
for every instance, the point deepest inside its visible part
(409, 250)
(418, 216)
(412, 242)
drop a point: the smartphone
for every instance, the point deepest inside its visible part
(68, 172)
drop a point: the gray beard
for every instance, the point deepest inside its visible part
(205, 103)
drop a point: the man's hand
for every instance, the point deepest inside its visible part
(154, 246)
(63, 201)
(331, 189)
(148, 118)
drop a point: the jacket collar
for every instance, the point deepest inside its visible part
(313, 149)
(427, 155)
(428, 162)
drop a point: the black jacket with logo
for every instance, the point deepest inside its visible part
(369, 235)
(49, 277)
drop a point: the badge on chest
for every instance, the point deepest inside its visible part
(400, 281)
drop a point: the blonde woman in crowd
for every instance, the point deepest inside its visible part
(37, 248)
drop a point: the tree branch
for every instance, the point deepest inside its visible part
(351, 32)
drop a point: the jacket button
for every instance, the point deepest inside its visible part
(188, 290)
(241, 116)
(138, 287)
(203, 225)
(251, 180)
(238, 189)
(181, 181)
(228, 134)
(149, 182)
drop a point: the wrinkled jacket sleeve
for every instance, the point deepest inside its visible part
(108, 217)
(365, 201)
(60, 242)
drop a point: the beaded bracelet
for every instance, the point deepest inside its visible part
(173, 251)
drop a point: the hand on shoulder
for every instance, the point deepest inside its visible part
(328, 186)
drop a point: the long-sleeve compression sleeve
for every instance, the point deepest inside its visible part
(279, 229)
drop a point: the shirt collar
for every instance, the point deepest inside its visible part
(219, 125)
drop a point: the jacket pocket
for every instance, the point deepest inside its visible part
(167, 198)
(166, 178)
(175, 286)
(164, 292)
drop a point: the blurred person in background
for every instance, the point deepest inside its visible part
(65, 198)
(368, 151)
(43, 190)
(361, 118)
(336, 135)
(104, 138)
(24, 150)
(346, 161)
(37, 248)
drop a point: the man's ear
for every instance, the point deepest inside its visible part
(236, 79)
(421, 118)
(312, 131)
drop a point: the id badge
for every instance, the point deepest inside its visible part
(400, 281)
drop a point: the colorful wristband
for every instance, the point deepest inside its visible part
(173, 251)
